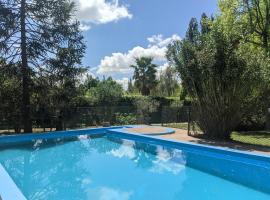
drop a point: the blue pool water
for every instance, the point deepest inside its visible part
(101, 168)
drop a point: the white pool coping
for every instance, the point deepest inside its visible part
(8, 189)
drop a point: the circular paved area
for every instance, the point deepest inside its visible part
(150, 130)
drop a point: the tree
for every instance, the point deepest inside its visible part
(9, 91)
(144, 75)
(258, 14)
(65, 79)
(105, 96)
(249, 19)
(31, 33)
(205, 24)
(90, 82)
(193, 30)
(130, 87)
(167, 83)
(145, 106)
(106, 93)
(216, 78)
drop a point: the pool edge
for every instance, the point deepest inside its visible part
(122, 133)
(219, 149)
(9, 190)
(122, 130)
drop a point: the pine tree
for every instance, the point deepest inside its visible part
(32, 32)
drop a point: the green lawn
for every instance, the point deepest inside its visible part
(183, 125)
(261, 138)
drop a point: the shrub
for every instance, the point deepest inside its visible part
(217, 79)
(125, 118)
(145, 106)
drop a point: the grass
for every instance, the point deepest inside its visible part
(183, 125)
(261, 138)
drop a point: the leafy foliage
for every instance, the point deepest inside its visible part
(216, 78)
(145, 106)
(223, 63)
(10, 93)
(106, 92)
(32, 34)
(248, 20)
(144, 75)
(126, 118)
(167, 83)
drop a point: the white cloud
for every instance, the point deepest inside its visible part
(160, 42)
(120, 62)
(108, 193)
(100, 12)
(123, 82)
(166, 161)
(162, 68)
(83, 77)
(113, 194)
(84, 27)
(125, 150)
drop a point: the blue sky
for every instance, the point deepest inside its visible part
(117, 31)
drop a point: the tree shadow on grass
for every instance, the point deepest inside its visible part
(238, 145)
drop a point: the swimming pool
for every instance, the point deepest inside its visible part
(111, 164)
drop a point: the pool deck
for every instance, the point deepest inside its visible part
(150, 130)
(181, 135)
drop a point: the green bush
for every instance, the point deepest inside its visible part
(125, 118)
(145, 106)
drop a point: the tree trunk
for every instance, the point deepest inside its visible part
(265, 41)
(59, 124)
(145, 91)
(26, 111)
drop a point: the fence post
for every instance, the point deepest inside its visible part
(188, 120)
(161, 114)
(268, 119)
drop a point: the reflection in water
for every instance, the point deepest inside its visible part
(37, 143)
(83, 168)
(164, 159)
(106, 193)
(125, 150)
(168, 160)
(83, 137)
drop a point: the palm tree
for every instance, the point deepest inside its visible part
(144, 75)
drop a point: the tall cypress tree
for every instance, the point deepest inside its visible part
(204, 22)
(193, 33)
(32, 32)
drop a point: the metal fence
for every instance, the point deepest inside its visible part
(180, 117)
(82, 117)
